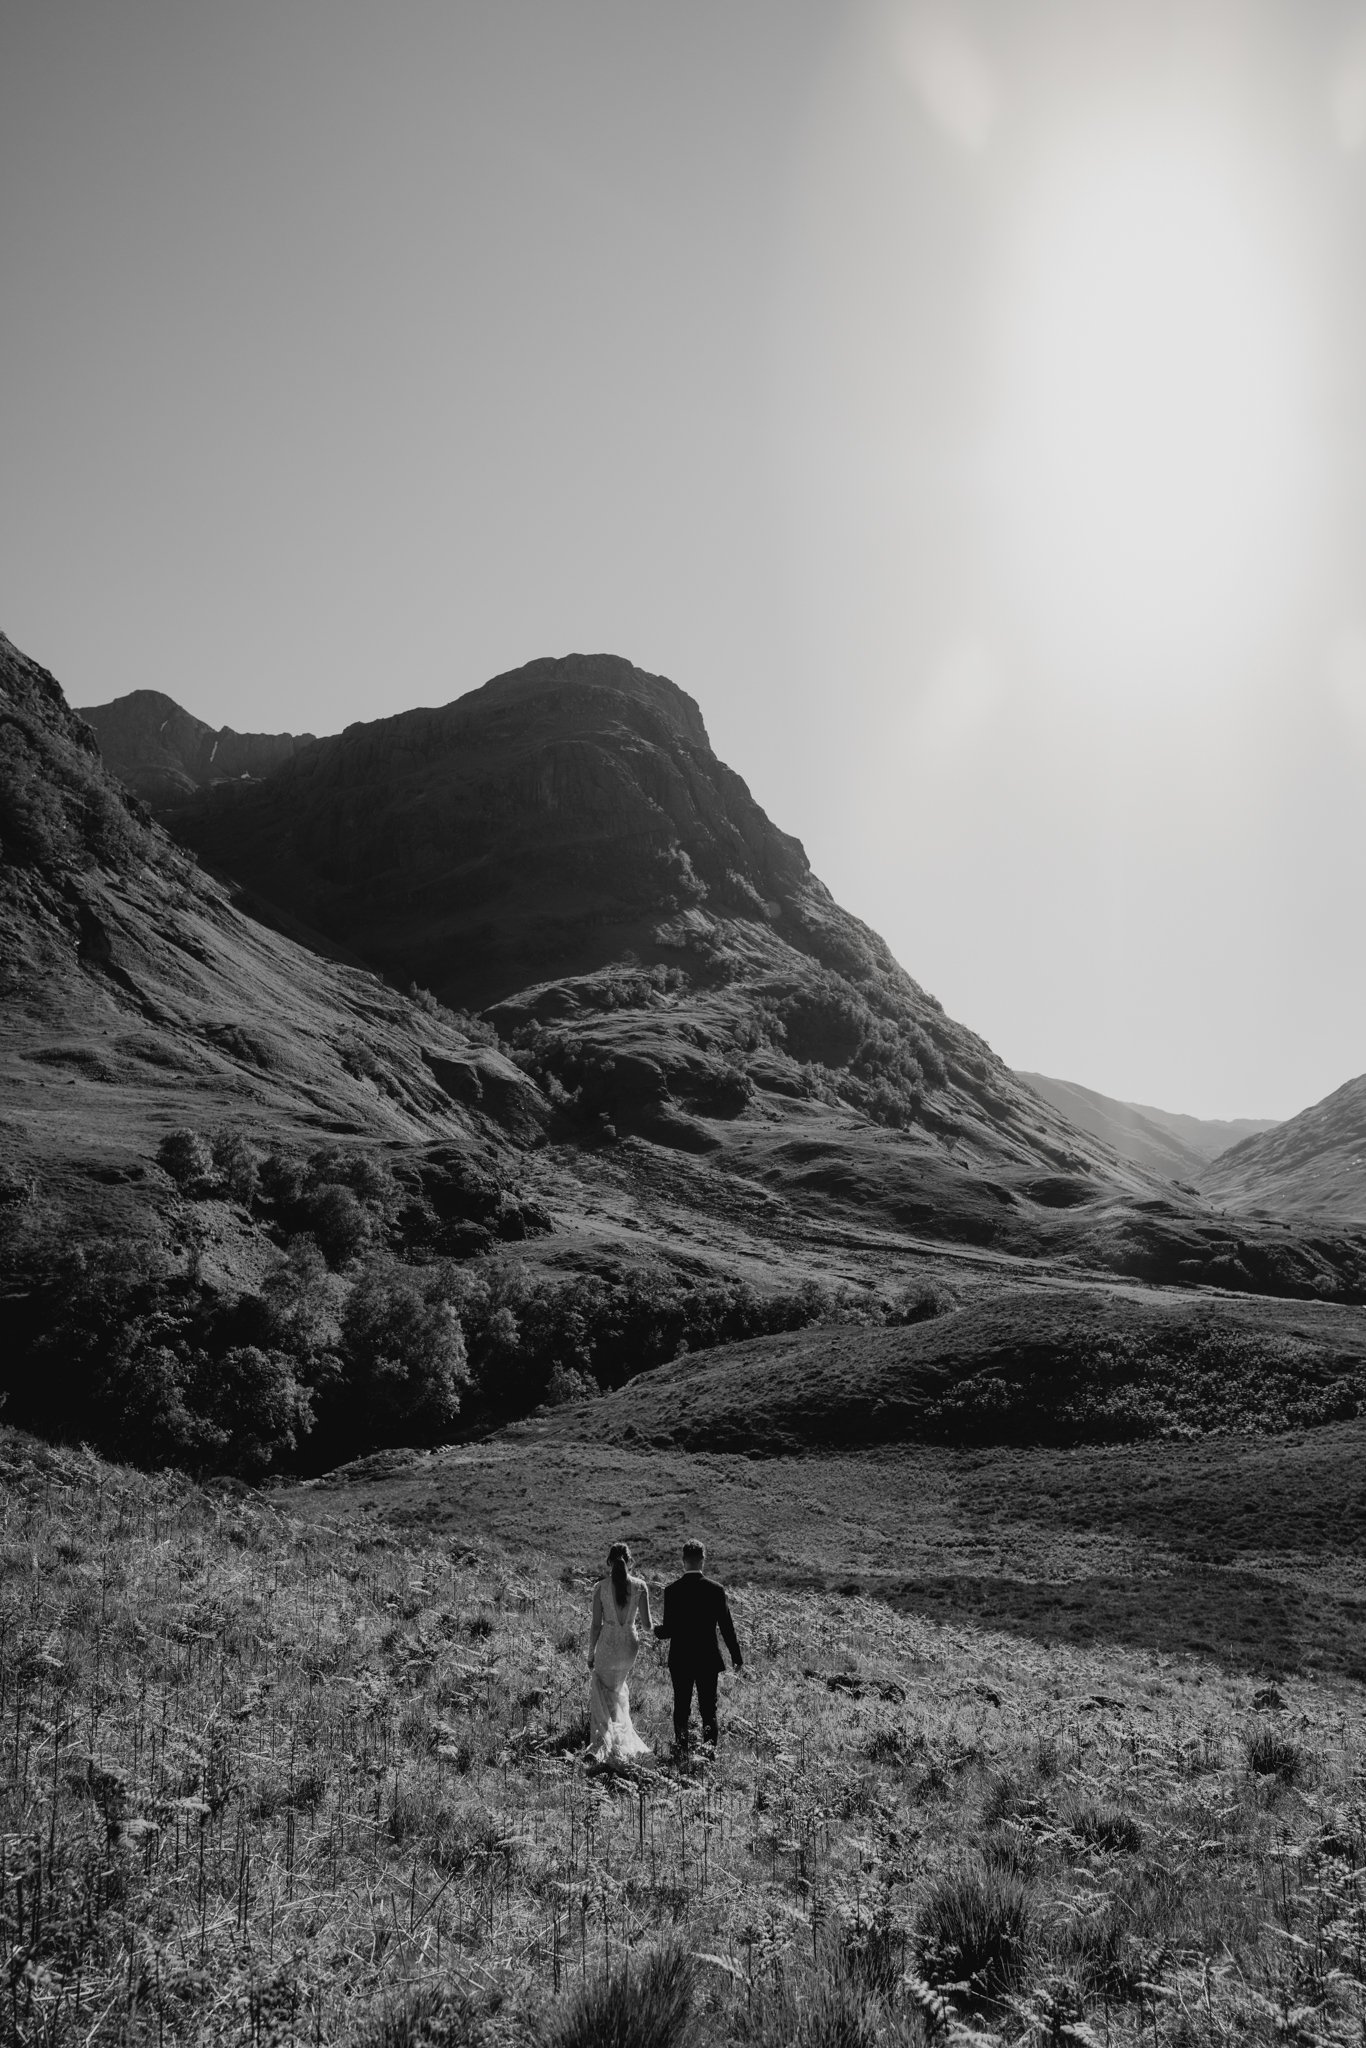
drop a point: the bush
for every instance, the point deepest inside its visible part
(974, 1929)
(1273, 1755)
(1107, 1827)
(649, 2005)
(234, 1162)
(186, 1157)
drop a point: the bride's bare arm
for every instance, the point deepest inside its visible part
(645, 1607)
(597, 1625)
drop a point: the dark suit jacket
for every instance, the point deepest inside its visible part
(694, 1608)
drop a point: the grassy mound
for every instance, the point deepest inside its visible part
(261, 1781)
(1043, 1364)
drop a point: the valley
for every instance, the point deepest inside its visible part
(480, 1137)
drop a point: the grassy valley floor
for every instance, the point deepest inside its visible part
(266, 1777)
(1251, 1550)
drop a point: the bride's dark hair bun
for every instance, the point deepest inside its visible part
(619, 1557)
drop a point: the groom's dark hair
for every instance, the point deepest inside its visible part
(694, 1551)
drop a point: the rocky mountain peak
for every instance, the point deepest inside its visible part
(582, 685)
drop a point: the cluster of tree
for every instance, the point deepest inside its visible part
(350, 1202)
(120, 1345)
(115, 1343)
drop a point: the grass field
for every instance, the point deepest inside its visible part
(265, 1778)
(1248, 1549)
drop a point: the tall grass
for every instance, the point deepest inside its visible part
(270, 1780)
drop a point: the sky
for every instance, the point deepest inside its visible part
(962, 399)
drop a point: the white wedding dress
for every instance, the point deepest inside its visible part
(611, 1735)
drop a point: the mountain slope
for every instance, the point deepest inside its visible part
(135, 998)
(1312, 1165)
(1159, 1140)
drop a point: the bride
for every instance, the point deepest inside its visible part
(621, 1622)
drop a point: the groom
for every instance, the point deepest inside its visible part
(694, 1608)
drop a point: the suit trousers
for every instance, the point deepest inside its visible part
(684, 1679)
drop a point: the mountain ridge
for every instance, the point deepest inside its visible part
(162, 752)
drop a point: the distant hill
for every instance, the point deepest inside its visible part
(163, 753)
(1160, 1140)
(1312, 1165)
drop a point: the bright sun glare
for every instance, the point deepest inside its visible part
(1153, 426)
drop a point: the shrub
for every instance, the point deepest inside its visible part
(234, 1161)
(974, 1929)
(1273, 1755)
(1107, 1827)
(426, 2018)
(282, 1179)
(647, 2006)
(186, 1157)
(838, 2012)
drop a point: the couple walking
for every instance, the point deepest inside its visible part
(695, 1607)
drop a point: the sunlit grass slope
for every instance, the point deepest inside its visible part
(268, 1781)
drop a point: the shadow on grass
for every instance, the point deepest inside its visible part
(1243, 1621)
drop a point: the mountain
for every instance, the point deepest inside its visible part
(1159, 1140)
(563, 849)
(690, 1057)
(1314, 1165)
(161, 752)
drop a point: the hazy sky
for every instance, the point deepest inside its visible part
(965, 402)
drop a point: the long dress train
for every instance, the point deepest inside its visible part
(611, 1732)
